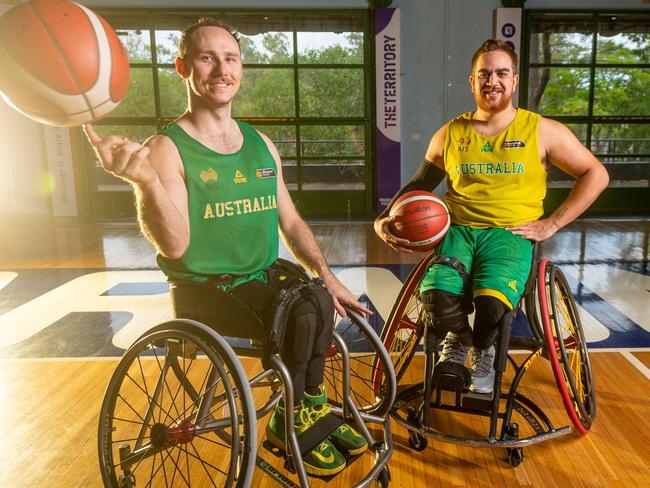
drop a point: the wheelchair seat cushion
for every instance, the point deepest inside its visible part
(217, 309)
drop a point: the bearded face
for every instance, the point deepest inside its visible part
(493, 82)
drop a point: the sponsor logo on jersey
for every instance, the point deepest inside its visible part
(463, 144)
(512, 144)
(240, 178)
(208, 174)
(264, 173)
(487, 147)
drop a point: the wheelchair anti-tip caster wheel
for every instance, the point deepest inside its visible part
(126, 481)
(515, 456)
(418, 442)
(383, 479)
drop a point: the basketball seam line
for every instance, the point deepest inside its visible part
(65, 60)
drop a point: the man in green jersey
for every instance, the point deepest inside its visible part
(211, 199)
(495, 159)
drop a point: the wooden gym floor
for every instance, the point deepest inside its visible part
(73, 297)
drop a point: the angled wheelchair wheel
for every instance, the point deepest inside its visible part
(365, 349)
(403, 330)
(178, 411)
(566, 347)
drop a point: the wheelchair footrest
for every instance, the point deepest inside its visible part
(452, 376)
(315, 434)
(478, 401)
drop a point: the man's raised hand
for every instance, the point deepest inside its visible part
(121, 157)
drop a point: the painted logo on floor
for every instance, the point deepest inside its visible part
(50, 313)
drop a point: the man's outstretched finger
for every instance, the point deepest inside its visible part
(92, 136)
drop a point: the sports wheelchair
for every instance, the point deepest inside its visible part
(548, 324)
(180, 410)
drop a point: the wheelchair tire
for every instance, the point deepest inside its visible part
(365, 350)
(566, 347)
(403, 330)
(159, 429)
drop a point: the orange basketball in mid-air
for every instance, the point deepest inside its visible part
(422, 218)
(62, 64)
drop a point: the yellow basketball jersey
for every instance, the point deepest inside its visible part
(495, 181)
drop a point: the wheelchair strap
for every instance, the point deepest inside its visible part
(455, 263)
(275, 335)
(315, 434)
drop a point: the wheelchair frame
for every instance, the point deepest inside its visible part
(173, 415)
(556, 334)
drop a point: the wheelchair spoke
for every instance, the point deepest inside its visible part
(144, 382)
(151, 399)
(163, 371)
(131, 421)
(354, 388)
(201, 435)
(161, 466)
(178, 468)
(142, 421)
(167, 382)
(203, 463)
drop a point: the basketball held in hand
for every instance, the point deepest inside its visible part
(62, 64)
(420, 217)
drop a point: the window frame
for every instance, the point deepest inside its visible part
(614, 200)
(310, 202)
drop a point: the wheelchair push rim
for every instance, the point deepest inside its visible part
(178, 411)
(366, 351)
(566, 347)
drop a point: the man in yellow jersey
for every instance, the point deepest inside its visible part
(211, 199)
(495, 159)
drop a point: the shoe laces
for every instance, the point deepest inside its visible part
(453, 349)
(482, 360)
(303, 419)
(317, 413)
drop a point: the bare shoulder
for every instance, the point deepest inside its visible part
(549, 127)
(159, 142)
(164, 155)
(436, 150)
(560, 147)
(269, 143)
(556, 139)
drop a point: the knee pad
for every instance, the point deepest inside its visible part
(446, 312)
(489, 313)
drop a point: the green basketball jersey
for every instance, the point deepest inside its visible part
(233, 208)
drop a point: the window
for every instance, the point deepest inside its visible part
(591, 71)
(306, 85)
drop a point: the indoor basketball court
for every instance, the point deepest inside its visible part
(350, 94)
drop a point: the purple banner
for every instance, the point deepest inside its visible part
(387, 81)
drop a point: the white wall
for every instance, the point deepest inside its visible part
(438, 40)
(22, 163)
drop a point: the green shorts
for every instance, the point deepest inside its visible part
(497, 260)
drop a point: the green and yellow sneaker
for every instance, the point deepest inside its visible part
(323, 460)
(345, 438)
